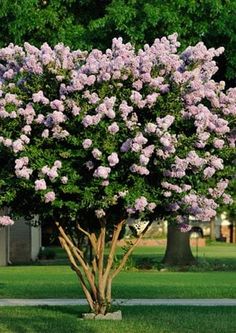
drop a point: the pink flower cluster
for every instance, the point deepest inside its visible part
(140, 205)
(220, 188)
(21, 169)
(113, 102)
(202, 208)
(113, 159)
(49, 197)
(5, 221)
(40, 185)
(102, 172)
(52, 172)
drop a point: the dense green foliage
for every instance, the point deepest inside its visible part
(90, 23)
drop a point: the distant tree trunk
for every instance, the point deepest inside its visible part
(212, 229)
(178, 250)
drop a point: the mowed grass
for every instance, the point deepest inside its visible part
(61, 282)
(216, 256)
(149, 319)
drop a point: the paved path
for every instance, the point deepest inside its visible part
(127, 302)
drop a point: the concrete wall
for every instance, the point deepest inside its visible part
(36, 242)
(20, 242)
(25, 242)
(3, 246)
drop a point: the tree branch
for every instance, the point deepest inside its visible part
(81, 260)
(126, 256)
(91, 237)
(111, 255)
(100, 253)
(78, 272)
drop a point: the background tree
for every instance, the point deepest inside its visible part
(88, 23)
(92, 138)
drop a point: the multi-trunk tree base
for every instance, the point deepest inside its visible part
(117, 315)
(96, 273)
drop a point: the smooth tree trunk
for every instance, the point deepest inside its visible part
(178, 250)
(212, 229)
(97, 272)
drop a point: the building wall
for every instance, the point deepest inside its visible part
(3, 246)
(20, 242)
(36, 242)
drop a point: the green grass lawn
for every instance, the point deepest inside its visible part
(214, 257)
(217, 257)
(61, 282)
(149, 319)
(214, 277)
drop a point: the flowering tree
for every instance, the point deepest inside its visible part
(89, 139)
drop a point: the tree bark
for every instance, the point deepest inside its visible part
(178, 250)
(96, 274)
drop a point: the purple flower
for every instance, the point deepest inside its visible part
(52, 173)
(26, 129)
(19, 163)
(24, 139)
(219, 144)
(58, 164)
(57, 105)
(150, 128)
(87, 143)
(76, 110)
(64, 180)
(126, 146)
(40, 184)
(24, 173)
(148, 151)
(18, 145)
(87, 121)
(113, 159)
(151, 206)
(227, 199)
(216, 163)
(45, 133)
(58, 117)
(96, 153)
(102, 172)
(139, 169)
(49, 197)
(185, 227)
(143, 160)
(140, 204)
(113, 128)
(40, 98)
(7, 142)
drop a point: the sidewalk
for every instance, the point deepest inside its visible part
(126, 302)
